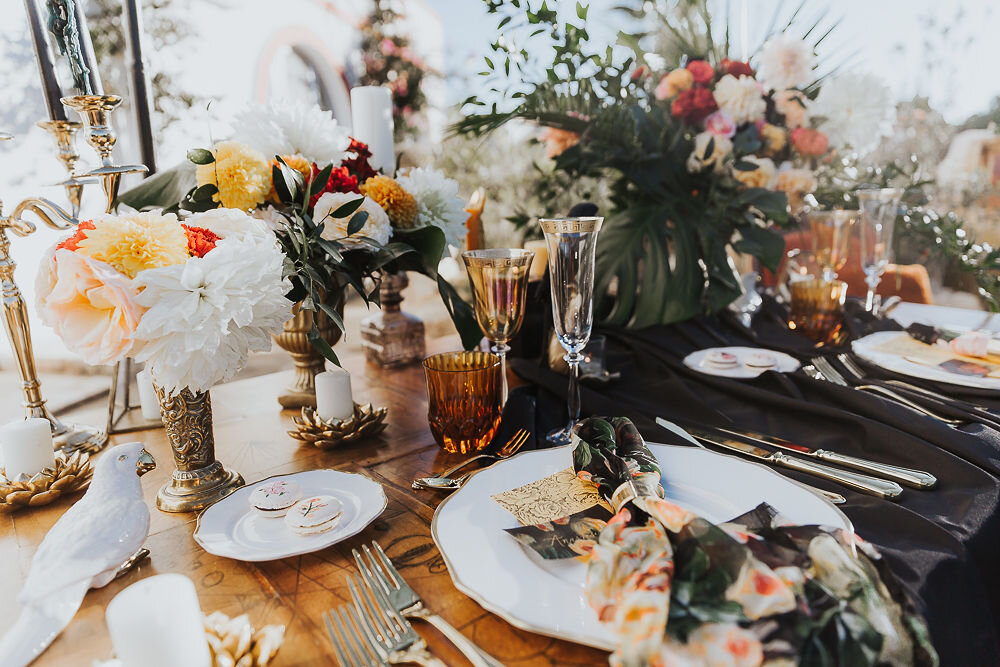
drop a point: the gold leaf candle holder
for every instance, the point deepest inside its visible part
(325, 434)
(70, 474)
(233, 642)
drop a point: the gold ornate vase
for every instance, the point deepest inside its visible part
(308, 362)
(199, 479)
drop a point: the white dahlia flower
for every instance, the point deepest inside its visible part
(438, 203)
(284, 128)
(785, 62)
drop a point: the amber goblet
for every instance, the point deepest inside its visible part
(463, 399)
(817, 308)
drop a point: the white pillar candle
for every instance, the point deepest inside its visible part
(157, 622)
(26, 447)
(333, 394)
(148, 402)
(540, 262)
(371, 116)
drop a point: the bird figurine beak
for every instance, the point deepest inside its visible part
(145, 463)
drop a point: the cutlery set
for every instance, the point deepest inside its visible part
(374, 630)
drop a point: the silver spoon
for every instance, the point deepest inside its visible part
(440, 483)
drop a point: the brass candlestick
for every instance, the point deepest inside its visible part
(69, 438)
(95, 110)
(64, 135)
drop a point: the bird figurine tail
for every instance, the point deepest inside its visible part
(35, 629)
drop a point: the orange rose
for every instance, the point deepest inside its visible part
(557, 141)
(808, 142)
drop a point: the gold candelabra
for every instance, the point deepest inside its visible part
(64, 135)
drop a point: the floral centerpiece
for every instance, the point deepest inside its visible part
(340, 223)
(702, 156)
(190, 299)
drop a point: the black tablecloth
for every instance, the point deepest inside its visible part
(943, 544)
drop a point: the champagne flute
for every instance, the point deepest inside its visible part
(879, 207)
(572, 244)
(830, 233)
(499, 280)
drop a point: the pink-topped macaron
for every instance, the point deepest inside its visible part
(316, 514)
(274, 498)
(760, 360)
(721, 359)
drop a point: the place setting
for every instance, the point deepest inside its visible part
(663, 335)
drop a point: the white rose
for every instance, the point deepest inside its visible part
(376, 227)
(721, 147)
(740, 98)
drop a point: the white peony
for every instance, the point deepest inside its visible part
(284, 128)
(741, 98)
(205, 316)
(377, 226)
(228, 223)
(438, 203)
(721, 148)
(785, 62)
(854, 109)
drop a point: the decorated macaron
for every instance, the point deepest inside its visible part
(274, 498)
(760, 360)
(721, 359)
(313, 515)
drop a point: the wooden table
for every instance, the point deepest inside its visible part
(250, 432)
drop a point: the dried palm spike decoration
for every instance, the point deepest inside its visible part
(234, 643)
(70, 474)
(312, 428)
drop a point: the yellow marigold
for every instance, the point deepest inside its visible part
(242, 175)
(136, 242)
(774, 139)
(390, 195)
(296, 162)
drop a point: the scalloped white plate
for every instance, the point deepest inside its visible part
(783, 363)
(232, 529)
(866, 348)
(547, 596)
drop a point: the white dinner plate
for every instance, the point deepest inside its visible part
(546, 597)
(866, 349)
(696, 360)
(231, 528)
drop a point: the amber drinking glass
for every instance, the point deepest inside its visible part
(463, 399)
(817, 308)
(830, 232)
(499, 280)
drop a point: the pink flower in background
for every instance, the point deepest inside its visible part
(702, 72)
(640, 73)
(90, 305)
(720, 124)
(387, 46)
(792, 105)
(808, 142)
(673, 83)
(557, 141)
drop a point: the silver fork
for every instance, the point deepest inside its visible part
(380, 574)
(393, 638)
(440, 481)
(351, 648)
(826, 371)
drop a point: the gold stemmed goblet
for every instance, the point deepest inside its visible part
(499, 279)
(830, 232)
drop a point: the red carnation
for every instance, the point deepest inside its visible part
(358, 165)
(701, 71)
(737, 68)
(340, 180)
(200, 240)
(693, 105)
(73, 242)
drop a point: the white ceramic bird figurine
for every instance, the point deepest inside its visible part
(83, 550)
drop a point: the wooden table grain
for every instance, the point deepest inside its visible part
(250, 432)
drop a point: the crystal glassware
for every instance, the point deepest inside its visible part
(830, 232)
(463, 399)
(499, 280)
(817, 309)
(572, 246)
(878, 207)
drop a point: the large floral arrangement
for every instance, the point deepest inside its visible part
(339, 222)
(190, 299)
(701, 157)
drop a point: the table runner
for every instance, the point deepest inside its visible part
(941, 544)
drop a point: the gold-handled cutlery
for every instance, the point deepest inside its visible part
(446, 483)
(373, 633)
(381, 575)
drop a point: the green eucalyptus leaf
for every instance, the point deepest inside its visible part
(357, 222)
(200, 156)
(349, 208)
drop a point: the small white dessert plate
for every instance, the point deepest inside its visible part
(232, 529)
(701, 362)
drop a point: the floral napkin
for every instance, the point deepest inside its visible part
(682, 591)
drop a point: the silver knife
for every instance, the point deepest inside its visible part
(918, 479)
(864, 483)
(834, 498)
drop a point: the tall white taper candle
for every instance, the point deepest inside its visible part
(148, 402)
(371, 115)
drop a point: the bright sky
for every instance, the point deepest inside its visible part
(945, 50)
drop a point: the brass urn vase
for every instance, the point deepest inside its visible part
(198, 479)
(308, 361)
